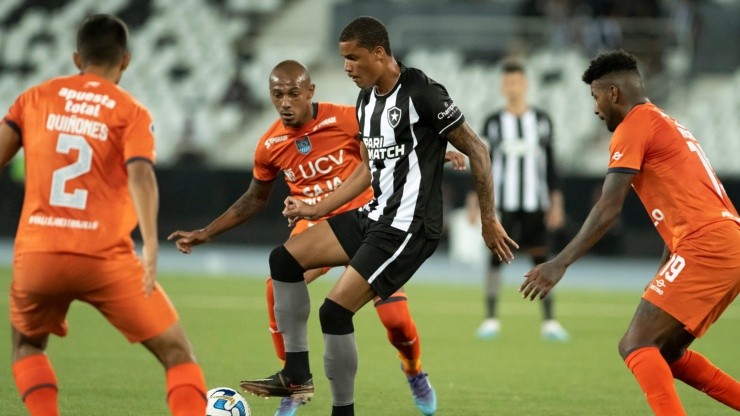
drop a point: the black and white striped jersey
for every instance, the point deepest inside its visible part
(405, 135)
(522, 158)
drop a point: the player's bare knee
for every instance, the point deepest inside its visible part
(632, 341)
(24, 346)
(624, 347)
(173, 353)
(171, 347)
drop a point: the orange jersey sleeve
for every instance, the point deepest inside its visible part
(316, 158)
(674, 180)
(78, 132)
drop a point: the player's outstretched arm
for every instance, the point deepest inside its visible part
(467, 141)
(142, 184)
(356, 183)
(250, 203)
(541, 279)
(10, 143)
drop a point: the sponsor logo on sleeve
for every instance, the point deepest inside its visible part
(450, 112)
(277, 139)
(326, 122)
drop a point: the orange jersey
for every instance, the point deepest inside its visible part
(315, 158)
(78, 132)
(674, 179)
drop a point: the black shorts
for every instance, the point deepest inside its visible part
(385, 256)
(526, 228)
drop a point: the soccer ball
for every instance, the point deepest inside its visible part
(224, 401)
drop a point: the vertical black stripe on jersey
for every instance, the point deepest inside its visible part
(492, 132)
(512, 189)
(520, 135)
(401, 169)
(374, 182)
(378, 165)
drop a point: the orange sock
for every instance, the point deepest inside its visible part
(186, 390)
(402, 333)
(655, 378)
(695, 370)
(277, 337)
(37, 384)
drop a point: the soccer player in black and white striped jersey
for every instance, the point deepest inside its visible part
(525, 187)
(406, 120)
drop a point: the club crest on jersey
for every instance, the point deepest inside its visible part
(303, 144)
(394, 116)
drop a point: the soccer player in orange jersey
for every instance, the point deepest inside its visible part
(89, 152)
(315, 146)
(699, 274)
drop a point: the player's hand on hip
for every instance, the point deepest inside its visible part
(497, 240)
(541, 279)
(457, 160)
(186, 240)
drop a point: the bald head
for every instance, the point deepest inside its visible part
(290, 70)
(291, 92)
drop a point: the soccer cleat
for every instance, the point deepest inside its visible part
(553, 331)
(289, 406)
(423, 392)
(489, 329)
(278, 385)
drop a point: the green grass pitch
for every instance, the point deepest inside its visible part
(516, 374)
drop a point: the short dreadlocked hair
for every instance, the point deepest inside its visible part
(609, 62)
(369, 32)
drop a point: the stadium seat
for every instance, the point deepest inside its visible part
(184, 59)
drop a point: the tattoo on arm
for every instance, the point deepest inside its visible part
(467, 141)
(252, 201)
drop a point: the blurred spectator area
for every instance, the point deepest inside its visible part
(202, 66)
(190, 66)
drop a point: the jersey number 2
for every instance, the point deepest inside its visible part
(77, 198)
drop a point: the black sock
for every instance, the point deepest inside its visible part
(296, 366)
(491, 307)
(547, 307)
(348, 410)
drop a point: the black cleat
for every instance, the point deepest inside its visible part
(278, 385)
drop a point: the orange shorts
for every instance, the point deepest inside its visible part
(302, 226)
(700, 279)
(298, 228)
(45, 284)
